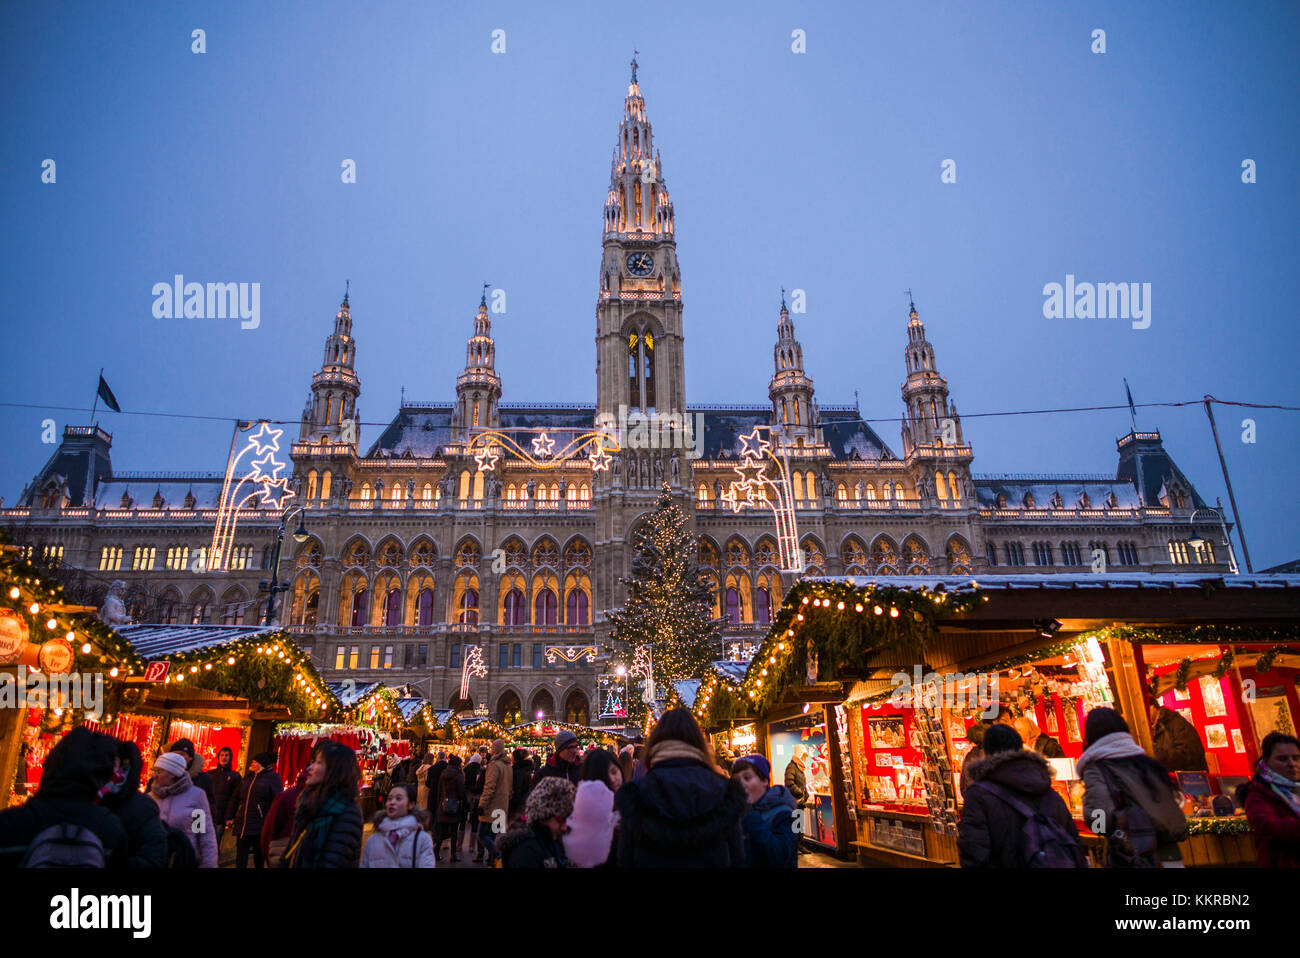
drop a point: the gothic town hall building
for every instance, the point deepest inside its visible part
(416, 553)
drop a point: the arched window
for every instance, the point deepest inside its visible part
(953, 489)
(841, 493)
(763, 605)
(393, 610)
(427, 492)
(798, 487)
(478, 486)
(733, 607)
(311, 484)
(325, 485)
(424, 605)
(366, 492)
(584, 493)
(576, 610)
(940, 488)
(871, 492)
(649, 360)
(702, 494)
(468, 607)
(633, 380)
(360, 607)
(464, 484)
(544, 607)
(514, 613)
(396, 493)
(811, 488)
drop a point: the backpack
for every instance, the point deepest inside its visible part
(65, 846)
(450, 805)
(1133, 841)
(1044, 843)
(180, 850)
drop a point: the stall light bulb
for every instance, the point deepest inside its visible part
(893, 613)
(34, 608)
(878, 610)
(805, 600)
(858, 608)
(15, 592)
(207, 667)
(51, 624)
(230, 660)
(112, 673)
(840, 607)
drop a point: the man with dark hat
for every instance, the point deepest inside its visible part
(564, 763)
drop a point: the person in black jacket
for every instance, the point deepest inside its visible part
(78, 772)
(146, 839)
(682, 813)
(450, 804)
(564, 763)
(199, 777)
(431, 781)
(328, 825)
(256, 793)
(535, 840)
(991, 833)
(225, 790)
(521, 779)
(474, 770)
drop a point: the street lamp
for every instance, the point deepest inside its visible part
(274, 586)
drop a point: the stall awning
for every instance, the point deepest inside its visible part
(350, 694)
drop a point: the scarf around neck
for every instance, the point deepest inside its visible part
(1286, 789)
(175, 788)
(396, 829)
(1114, 745)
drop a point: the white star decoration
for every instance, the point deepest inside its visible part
(543, 446)
(266, 439)
(754, 445)
(487, 459)
(600, 459)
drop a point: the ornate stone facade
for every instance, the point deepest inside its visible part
(415, 551)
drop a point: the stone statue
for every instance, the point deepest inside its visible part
(659, 468)
(113, 612)
(676, 466)
(410, 488)
(532, 488)
(717, 488)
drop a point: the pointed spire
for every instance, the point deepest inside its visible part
(347, 289)
(783, 309)
(483, 301)
(634, 53)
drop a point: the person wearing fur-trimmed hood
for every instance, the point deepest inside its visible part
(683, 813)
(991, 832)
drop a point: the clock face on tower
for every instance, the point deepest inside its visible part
(640, 264)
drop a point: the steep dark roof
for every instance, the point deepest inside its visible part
(81, 461)
(1043, 488)
(1144, 462)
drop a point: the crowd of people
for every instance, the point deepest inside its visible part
(672, 802)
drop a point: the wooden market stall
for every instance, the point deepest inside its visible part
(882, 770)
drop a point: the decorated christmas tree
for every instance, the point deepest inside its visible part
(669, 608)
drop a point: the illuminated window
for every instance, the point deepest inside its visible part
(340, 656)
(633, 381)
(353, 657)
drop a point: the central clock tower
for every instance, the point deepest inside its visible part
(639, 338)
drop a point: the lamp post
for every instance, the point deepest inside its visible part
(1197, 543)
(275, 586)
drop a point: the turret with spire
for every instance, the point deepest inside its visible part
(335, 386)
(791, 391)
(478, 387)
(925, 393)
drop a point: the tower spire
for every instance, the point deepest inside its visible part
(637, 201)
(335, 387)
(478, 387)
(794, 407)
(925, 392)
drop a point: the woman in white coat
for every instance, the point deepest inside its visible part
(401, 838)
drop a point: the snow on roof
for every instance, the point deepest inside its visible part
(1083, 580)
(159, 641)
(207, 492)
(349, 693)
(687, 690)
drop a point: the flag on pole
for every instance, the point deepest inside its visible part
(106, 394)
(1132, 409)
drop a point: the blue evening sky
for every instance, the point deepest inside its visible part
(819, 171)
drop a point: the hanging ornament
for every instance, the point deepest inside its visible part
(13, 636)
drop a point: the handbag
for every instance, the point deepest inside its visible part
(1132, 843)
(227, 849)
(275, 851)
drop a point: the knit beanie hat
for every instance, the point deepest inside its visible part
(174, 762)
(265, 759)
(563, 739)
(551, 796)
(757, 762)
(1002, 738)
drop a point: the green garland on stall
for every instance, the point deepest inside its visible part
(838, 637)
(1235, 825)
(1202, 634)
(257, 676)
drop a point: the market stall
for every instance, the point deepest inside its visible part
(844, 667)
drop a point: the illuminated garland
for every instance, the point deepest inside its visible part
(1235, 825)
(269, 669)
(836, 625)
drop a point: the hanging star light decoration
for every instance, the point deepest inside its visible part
(263, 474)
(600, 460)
(487, 458)
(757, 489)
(543, 446)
